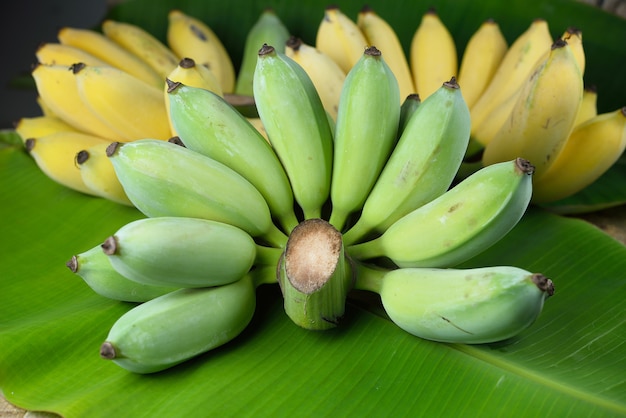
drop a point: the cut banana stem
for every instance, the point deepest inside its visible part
(314, 275)
(468, 306)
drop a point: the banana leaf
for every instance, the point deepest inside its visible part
(569, 363)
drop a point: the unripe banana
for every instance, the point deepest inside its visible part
(207, 124)
(324, 72)
(544, 113)
(591, 149)
(58, 91)
(466, 306)
(180, 325)
(94, 267)
(340, 37)
(38, 126)
(150, 251)
(459, 224)
(55, 155)
(128, 105)
(98, 45)
(365, 133)
(142, 44)
(61, 54)
(482, 57)
(164, 179)
(189, 37)
(297, 126)
(422, 165)
(408, 107)
(98, 173)
(268, 29)
(381, 34)
(432, 54)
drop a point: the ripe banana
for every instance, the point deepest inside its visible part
(574, 37)
(588, 106)
(432, 54)
(514, 69)
(94, 267)
(483, 54)
(189, 37)
(98, 45)
(591, 149)
(268, 29)
(463, 306)
(60, 54)
(459, 224)
(55, 154)
(128, 105)
(423, 163)
(98, 173)
(207, 124)
(324, 72)
(180, 325)
(544, 113)
(149, 251)
(38, 126)
(58, 90)
(297, 126)
(142, 44)
(187, 72)
(164, 179)
(381, 34)
(365, 133)
(340, 38)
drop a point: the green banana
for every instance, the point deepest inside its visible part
(94, 268)
(211, 126)
(181, 252)
(365, 132)
(164, 179)
(459, 224)
(297, 126)
(180, 325)
(408, 107)
(467, 306)
(314, 275)
(422, 165)
(268, 29)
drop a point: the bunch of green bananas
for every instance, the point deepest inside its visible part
(324, 199)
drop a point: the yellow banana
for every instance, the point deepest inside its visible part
(592, 148)
(98, 173)
(142, 44)
(189, 73)
(515, 68)
(189, 37)
(432, 55)
(482, 56)
(102, 47)
(58, 89)
(60, 54)
(589, 106)
(380, 33)
(131, 107)
(39, 126)
(324, 72)
(55, 156)
(340, 37)
(574, 37)
(543, 115)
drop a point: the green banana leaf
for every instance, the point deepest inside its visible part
(569, 363)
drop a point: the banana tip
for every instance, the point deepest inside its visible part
(107, 351)
(72, 264)
(112, 148)
(524, 166)
(543, 283)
